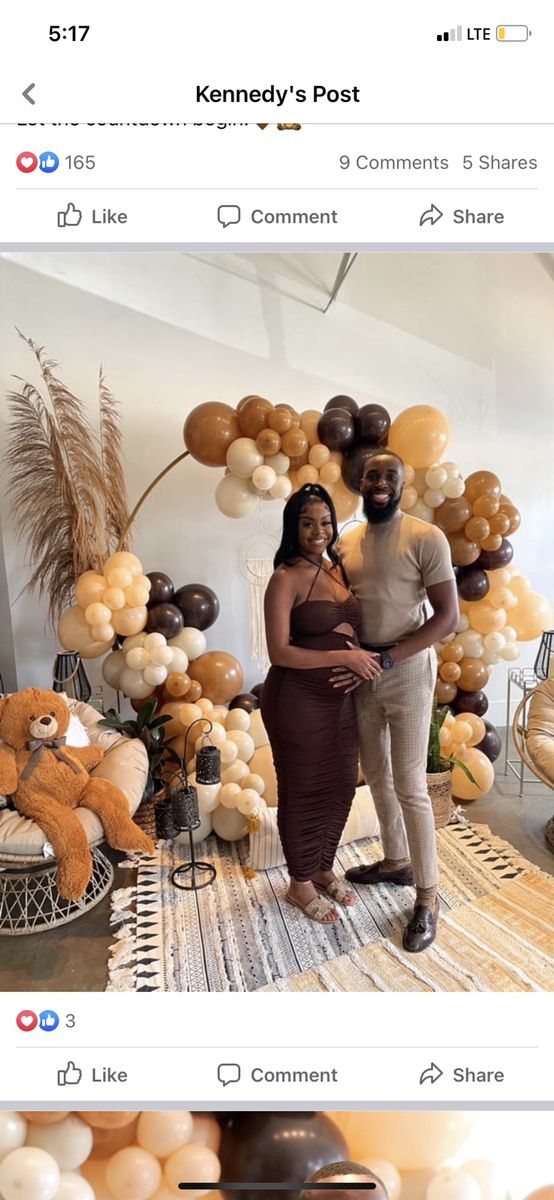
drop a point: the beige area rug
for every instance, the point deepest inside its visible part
(239, 934)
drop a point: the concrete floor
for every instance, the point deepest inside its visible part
(74, 957)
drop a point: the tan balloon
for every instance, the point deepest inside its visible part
(309, 421)
(346, 502)
(483, 773)
(531, 616)
(74, 634)
(478, 728)
(253, 415)
(307, 474)
(220, 675)
(268, 442)
(463, 552)
(257, 729)
(188, 713)
(450, 672)
(195, 691)
(192, 1163)
(261, 763)
(163, 1133)
(419, 435)
(135, 595)
(330, 472)
(453, 515)
(485, 617)
(500, 523)
(134, 1173)
(127, 621)
(206, 1131)
(44, 1118)
(90, 587)
(453, 653)
(281, 420)
(294, 442)
(319, 455)
(492, 542)
(208, 432)
(116, 598)
(473, 675)
(108, 1120)
(409, 1140)
(109, 1141)
(485, 506)
(482, 483)
(174, 727)
(123, 560)
(177, 684)
(476, 529)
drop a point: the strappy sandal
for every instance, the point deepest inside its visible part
(316, 910)
(339, 891)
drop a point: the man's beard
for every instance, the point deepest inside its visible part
(379, 516)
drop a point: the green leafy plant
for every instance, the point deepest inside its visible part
(435, 760)
(151, 731)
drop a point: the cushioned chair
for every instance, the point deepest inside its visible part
(533, 734)
(29, 899)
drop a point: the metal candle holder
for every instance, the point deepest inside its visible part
(193, 875)
(69, 676)
(545, 652)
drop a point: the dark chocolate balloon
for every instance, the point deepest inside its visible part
(473, 583)
(472, 702)
(257, 690)
(246, 700)
(491, 744)
(490, 560)
(342, 402)
(166, 619)
(336, 429)
(354, 465)
(372, 424)
(277, 1148)
(162, 588)
(198, 604)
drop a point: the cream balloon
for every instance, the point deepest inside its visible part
(192, 641)
(137, 639)
(436, 477)
(495, 642)
(264, 478)
(179, 660)
(421, 510)
(243, 742)
(238, 770)
(89, 588)
(410, 1140)
(453, 1185)
(237, 718)
(493, 1180)
(123, 560)
(161, 656)
(137, 658)
(68, 1141)
(103, 633)
(235, 497)
(454, 487)
(195, 1163)
(280, 462)
(74, 1187)
(282, 488)
(387, 1173)
(253, 781)
(13, 1131)
(162, 1133)
(257, 729)
(229, 795)
(135, 595)
(98, 613)
(207, 707)
(229, 752)
(261, 763)
(408, 498)
(132, 684)
(208, 796)
(229, 824)
(119, 577)
(472, 643)
(75, 635)
(432, 497)
(29, 1173)
(154, 674)
(510, 652)
(249, 802)
(463, 623)
(243, 457)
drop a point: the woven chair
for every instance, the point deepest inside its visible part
(537, 738)
(29, 898)
(520, 734)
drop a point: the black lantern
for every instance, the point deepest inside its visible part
(69, 676)
(193, 875)
(546, 650)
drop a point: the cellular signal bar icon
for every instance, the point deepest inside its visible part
(452, 35)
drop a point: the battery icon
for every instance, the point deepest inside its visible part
(512, 33)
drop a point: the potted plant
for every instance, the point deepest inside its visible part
(150, 729)
(439, 770)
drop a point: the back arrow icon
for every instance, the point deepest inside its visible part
(431, 1075)
(26, 93)
(431, 215)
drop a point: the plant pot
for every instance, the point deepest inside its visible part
(440, 791)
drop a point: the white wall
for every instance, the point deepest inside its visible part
(471, 334)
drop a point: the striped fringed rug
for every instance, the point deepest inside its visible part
(239, 934)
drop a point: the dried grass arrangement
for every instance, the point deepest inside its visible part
(66, 482)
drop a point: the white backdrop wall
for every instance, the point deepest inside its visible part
(472, 334)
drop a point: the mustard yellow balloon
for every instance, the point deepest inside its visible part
(483, 773)
(419, 435)
(410, 1140)
(74, 634)
(89, 588)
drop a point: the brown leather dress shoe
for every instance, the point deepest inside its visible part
(421, 930)
(374, 873)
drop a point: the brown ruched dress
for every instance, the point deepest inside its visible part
(312, 730)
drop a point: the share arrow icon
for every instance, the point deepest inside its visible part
(431, 215)
(431, 1074)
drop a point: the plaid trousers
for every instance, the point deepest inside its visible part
(393, 714)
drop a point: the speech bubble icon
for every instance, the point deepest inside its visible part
(228, 1073)
(228, 214)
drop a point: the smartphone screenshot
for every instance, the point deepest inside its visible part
(276, 602)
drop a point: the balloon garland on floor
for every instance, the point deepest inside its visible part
(146, 1155)
(269, 451)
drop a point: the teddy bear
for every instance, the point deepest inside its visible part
(48, 780)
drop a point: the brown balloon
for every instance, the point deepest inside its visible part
(342, 402)
(198, 605)
(473, 584)
(452, 515)
(490, 560)
(492, 542)
(452, 652)
(372, 424)
(336, 429)
(268, 441)
(486, 506)
(472, 702)
(294, 442)
(464, 553)
(499, 523)
(248, 701)
(300, 460)
(482, 483)
(354, 466)
(253, 415)
(209, 431)
(194, 692)
(450, 672)
(491, 744)
(296, 417)
(219, 674)
(162, 588)
(281, 420)
(473, 676)
(445, 692)
(476, 529)
(166, 619)
(513, 514)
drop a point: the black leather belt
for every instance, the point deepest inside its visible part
(377, 649)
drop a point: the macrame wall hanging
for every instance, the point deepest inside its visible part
(256, 556)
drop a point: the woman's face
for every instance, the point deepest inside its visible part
(315, 528)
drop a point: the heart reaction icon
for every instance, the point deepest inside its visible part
(27, 162)
(26, 1020)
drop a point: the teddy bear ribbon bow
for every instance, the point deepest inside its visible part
(37, 747)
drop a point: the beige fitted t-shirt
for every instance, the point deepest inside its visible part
(390, 566)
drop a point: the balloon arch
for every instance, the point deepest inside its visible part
(268, 452)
